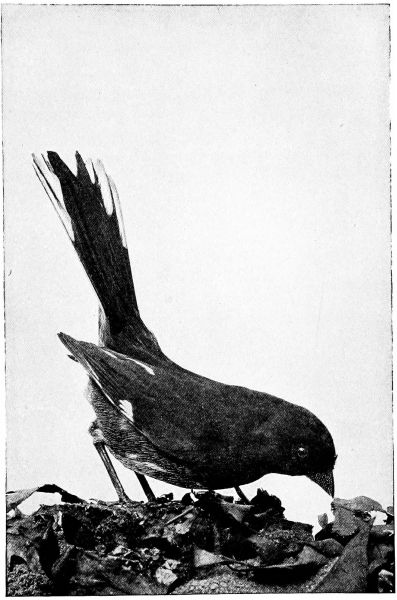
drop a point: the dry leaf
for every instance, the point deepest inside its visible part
(306, 562)
(346, 523)
(323, 520)
(83, 572)
(329, 547)
(25, 537)
(13, 499)
(385, 582)
(202, 558)
(350, 571)
(359, 503)
(165, 575)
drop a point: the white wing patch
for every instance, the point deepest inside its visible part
(126, 409)
(142, 463)
(146, 367)
(153, 466)
(124, 357)
(84, 363)
(124, 406)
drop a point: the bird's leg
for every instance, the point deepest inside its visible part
(101, 449)
(145, 486)
(241, 494)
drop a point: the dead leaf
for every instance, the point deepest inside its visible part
(25, 537)
(350, 571)
(266, 508)
(381, 556)
(225, 512)
(306, 562)
(359, 503)
(385, 581)
(349, 514)
(329, 547)
(203, 558)
(264, 501)
(382, 532)
(84, 572)
(52, 488)
(165, 575)
(280, 540)
(323, 520)
(13, 499)
(239, 512)
(390, 514)
(346, 523)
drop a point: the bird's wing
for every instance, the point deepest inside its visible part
(98, 365)
(144, 395)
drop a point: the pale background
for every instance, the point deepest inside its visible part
(250, 147)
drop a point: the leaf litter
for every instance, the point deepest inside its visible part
(205, 543)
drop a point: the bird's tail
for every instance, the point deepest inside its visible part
(89, 209)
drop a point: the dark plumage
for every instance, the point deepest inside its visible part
(156, 417)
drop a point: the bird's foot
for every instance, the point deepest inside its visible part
(241, 495)
(124, 500)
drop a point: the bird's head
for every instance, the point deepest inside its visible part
(304, 445)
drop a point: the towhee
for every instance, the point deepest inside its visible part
(154, 416)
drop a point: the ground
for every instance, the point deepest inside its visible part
(205, 543)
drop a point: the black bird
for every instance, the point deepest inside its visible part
(157, 418)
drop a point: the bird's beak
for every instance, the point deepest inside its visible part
(325, 481)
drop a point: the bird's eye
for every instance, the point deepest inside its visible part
(302, 452)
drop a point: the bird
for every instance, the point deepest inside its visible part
(156, 417)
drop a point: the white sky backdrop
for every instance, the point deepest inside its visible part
(250, 148)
